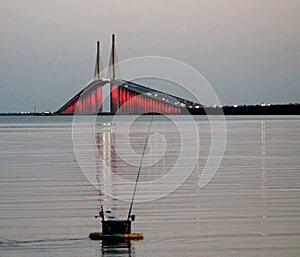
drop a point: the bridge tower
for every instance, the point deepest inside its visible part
(113, 69)
(98, 73)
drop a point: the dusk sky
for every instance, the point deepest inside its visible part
(249, 50)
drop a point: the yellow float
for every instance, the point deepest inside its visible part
(101, 236)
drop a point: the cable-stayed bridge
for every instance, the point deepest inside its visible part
(112, 95)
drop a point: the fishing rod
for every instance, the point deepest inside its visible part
(101, 214)
(139, 172)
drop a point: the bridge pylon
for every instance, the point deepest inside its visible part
(113, 69)
(98, 73)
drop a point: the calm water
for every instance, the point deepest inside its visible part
(251, 207)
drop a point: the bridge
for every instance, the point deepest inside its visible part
(112, 95)
(123, 97)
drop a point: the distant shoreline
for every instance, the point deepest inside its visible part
(263, 109)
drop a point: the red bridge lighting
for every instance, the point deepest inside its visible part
(124, 98)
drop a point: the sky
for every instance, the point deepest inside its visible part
(248, 50)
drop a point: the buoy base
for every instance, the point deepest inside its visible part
(100, 236)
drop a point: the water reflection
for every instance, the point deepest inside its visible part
(121, 248)
(104, 159)
(263, 166)
(115, 248)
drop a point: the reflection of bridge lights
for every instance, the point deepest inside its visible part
(103, 134)
(263, 166)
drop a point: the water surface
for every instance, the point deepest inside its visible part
(251, 207)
